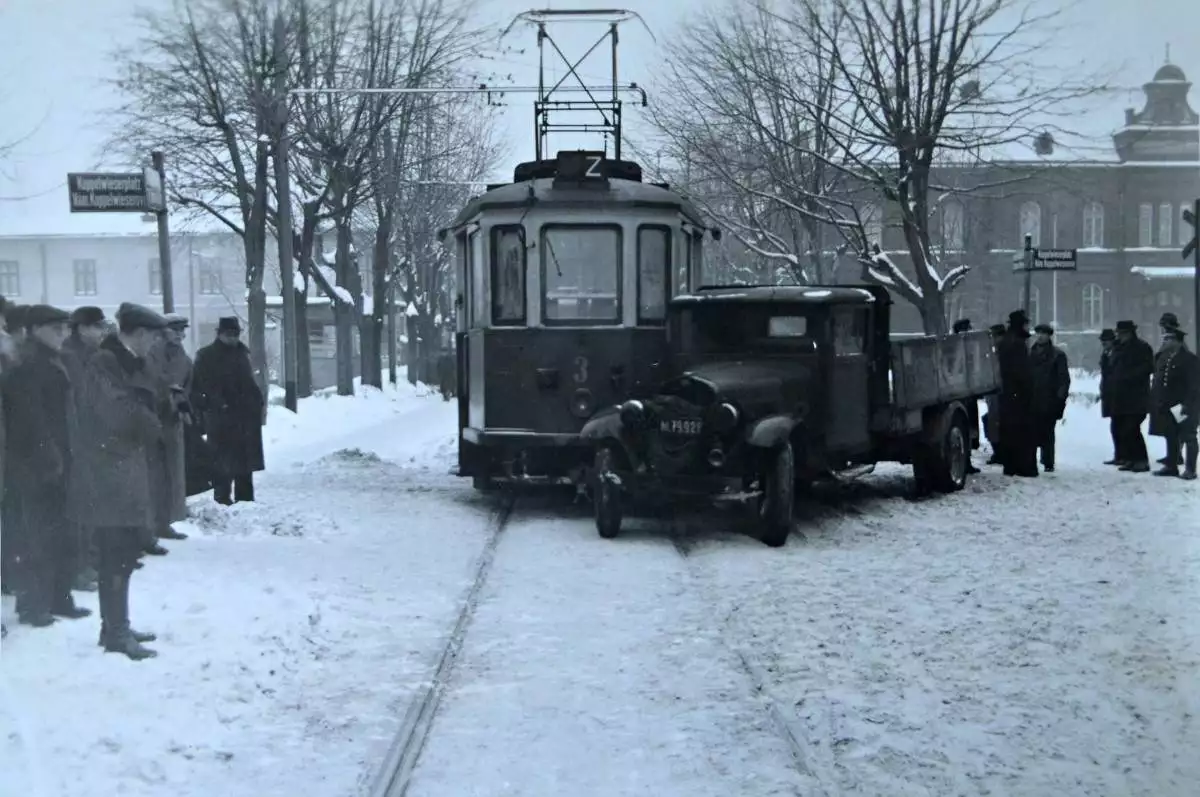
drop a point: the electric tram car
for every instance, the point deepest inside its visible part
(563, 280)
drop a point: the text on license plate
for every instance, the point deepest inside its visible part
(678, 426)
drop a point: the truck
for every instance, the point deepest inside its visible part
(770, 388)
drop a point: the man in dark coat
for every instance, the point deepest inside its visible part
(88, 326)
(1129, 398)
(1051, 386)
(991, 419)
(38, 410)
(172, 367)
(8, 361)
(110, 482)
(1175, 403)
(1017, 445)
(1166, 323)
(1107, 339)
(227, 400)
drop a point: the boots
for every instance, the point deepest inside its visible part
(171, 534)
(1189, 460)
(116, 635)
(65, 607)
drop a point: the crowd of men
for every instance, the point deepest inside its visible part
(1135, 382)
(107, 429)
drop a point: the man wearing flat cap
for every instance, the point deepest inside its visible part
(1129, 397)
(1051, 386)
(1108, 339)
(172, 367)
(38, 409)
(1018, 453)
(227, 399)
(111, 483)
(1175, 403)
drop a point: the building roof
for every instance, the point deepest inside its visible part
(1169, 72)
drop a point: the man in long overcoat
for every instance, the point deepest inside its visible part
(88, 326)
(230, 405)
(1175, 403)
(1129, 398)
(1107, 339)
(38, 410)
(111, 484)
(1051, 386)
(173, 368)
(1166, 323)
(991, 419)
(1018, 446)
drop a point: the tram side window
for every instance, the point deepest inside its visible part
(581, 274)
(479, 303)
(681, 268)
(508, 276)
(654, 270)
(696, 258)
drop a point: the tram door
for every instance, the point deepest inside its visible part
(463, 302)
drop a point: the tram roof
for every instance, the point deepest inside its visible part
(796, 294)
(618, 194)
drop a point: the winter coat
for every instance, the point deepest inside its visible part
(169, 363)
(1106, 358)
(1051, 380)
(37, 400)
(1176, 382)
(1132, 366)
(230, 406)
(110, 483)
(1016, 388)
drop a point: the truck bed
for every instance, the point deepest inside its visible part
(928, 370)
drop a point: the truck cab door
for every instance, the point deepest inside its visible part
(849, 419)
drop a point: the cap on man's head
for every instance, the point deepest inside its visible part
(1126, 326)
(40, 315)
(86, 317)
(176, 321)
(1107, 334)
(1018, 318)
(1044, 329)
(132, 316)
(961, 325)
(229, 323)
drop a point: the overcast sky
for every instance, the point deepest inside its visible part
(53, 61)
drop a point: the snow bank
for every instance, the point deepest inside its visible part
(207, 517)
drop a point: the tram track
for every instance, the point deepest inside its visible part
(395, 773)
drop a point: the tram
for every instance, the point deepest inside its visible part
(564, 276)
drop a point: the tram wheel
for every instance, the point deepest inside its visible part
(606, 494)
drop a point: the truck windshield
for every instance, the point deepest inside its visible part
(718, 328)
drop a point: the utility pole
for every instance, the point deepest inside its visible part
(1192, 249)
(1028, 272)
(283, 189)
(164, 238)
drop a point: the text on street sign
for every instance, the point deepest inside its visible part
(102, 192)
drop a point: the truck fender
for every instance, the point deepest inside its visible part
(603, 425)
(770, 431)
(937, 421)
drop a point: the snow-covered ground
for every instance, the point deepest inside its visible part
(1025, 637)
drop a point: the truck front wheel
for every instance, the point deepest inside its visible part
(606, 494)
(778, 496)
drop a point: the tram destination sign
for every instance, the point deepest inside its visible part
(107, 192)
(1047, 260)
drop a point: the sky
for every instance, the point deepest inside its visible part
(54, 62)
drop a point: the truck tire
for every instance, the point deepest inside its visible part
(778, 500)
(606, 494)
(950, 456)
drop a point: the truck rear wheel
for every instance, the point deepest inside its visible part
(951, 456)
(606, 494)
(778, 499)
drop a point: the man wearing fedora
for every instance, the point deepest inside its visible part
(1108, 339)
(1018, 452)
(1166, 323)
(229, 404)
(1129, 397)
(1175, 403)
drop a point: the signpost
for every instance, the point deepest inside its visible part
(1192, 249)
(129, 192)
(1032, 259)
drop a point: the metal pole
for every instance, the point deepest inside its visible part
(1196, 276)
(164, 240)
(1028, 272)
(283, 186)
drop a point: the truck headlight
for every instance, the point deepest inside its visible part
(725, 417)
(633, 414)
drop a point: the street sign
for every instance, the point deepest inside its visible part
(156, 199)
(1047, 260)
(105, 192)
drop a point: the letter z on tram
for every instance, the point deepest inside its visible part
(564, 276)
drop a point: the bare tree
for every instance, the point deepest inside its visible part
(196, 84)
(907, 87)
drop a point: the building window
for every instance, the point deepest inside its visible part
(1035, 310)
(85, 277)
(154, 270)
(209, 277)
(1145, 224)
(1031, 222)
(872, 221)
(1093, 306)
(1166, 216)
(1093, 225)
(10, 278)
(952, 225)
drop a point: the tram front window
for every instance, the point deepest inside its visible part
(581, 272)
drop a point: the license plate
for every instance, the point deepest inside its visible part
(681, 427)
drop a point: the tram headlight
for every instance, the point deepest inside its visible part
(583, 403)
(725, 417)
(633, 414)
